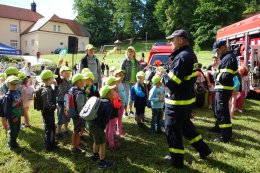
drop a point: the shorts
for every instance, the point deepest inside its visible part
(97, 132)
(27, 103)
(62, 118)
(78, 124)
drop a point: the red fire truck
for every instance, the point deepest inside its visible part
(244, 39)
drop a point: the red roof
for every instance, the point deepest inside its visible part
(249, 25)
(19, 13)
(28, 15)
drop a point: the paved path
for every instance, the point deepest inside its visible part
(34, 60)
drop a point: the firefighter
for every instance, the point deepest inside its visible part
(179, 83)
(224, 86)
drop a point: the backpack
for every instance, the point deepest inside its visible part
(90, 109)
(69, 104)
(37, 99)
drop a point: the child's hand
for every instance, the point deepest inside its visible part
(60, 63)
(15, 120)
(87, 91)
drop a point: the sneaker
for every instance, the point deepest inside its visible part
(168, 159)
(214, 129)
(132, 113)
(209, 107)
(77, 151)
(95, 157)
(126, 114)
(221, 139)
(106, 164)
(65, 133)
(240, 110)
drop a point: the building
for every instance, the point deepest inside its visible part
(31, 32)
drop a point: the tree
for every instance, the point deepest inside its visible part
(96, 17)
(175, 14)
(210, 15)
(149, 23)
(127, 17)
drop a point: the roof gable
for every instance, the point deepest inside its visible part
(19, 13)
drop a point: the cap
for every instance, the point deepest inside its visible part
(178, 33)
(89, 75)
(89, 46)
(11, 79)
(105, 89)
(22, 76)
(160, 68)
(156, 79)
(132, 48)
(118, 71)
(2, 76)
(140, 73)
(77, 77)
(46, 74)
(217, 45)
(11, 70)
(111, 79)
(157, 62)
(65, 68)
(85, 70)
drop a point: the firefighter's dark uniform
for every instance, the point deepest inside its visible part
(180, 95)
(224, 87)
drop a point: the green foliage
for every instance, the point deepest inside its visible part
(96, 17)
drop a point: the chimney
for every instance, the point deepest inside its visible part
(33, 6)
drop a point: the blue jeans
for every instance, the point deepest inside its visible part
(156, 119)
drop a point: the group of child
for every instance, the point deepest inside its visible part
(16, 91)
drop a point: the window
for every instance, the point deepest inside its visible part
(13, 28)
(25, 43)
(54, 28)
(58, 30)
(61, 43)
(14, 43)
(32, 42)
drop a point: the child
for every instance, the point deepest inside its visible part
(64, 84)
(13, 110)
(27, 96)
(90, 89)
(3, 118)
(49, 106)
(111, 126)
(78, 82)
(98, 125)
(140, 98)
(3, 89)
(156, 95)
(122, 95)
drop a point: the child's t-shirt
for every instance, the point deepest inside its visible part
(12, 104)
(154, 95)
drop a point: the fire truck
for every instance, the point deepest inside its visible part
(243, 37)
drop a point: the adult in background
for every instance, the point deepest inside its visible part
(90, 61)
(103, 67)
(27, 69)
(179, 83)
(223, 88)
(210, 72)
(131, 66)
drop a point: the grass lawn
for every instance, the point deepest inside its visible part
(140, 151)
(112, 59)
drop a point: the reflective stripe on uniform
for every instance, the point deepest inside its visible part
(228, 71)
(224, 87)
(194, 74)
(180, 102)
(222, 126)
(179, 151)
(174, 78)
(196, 139)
